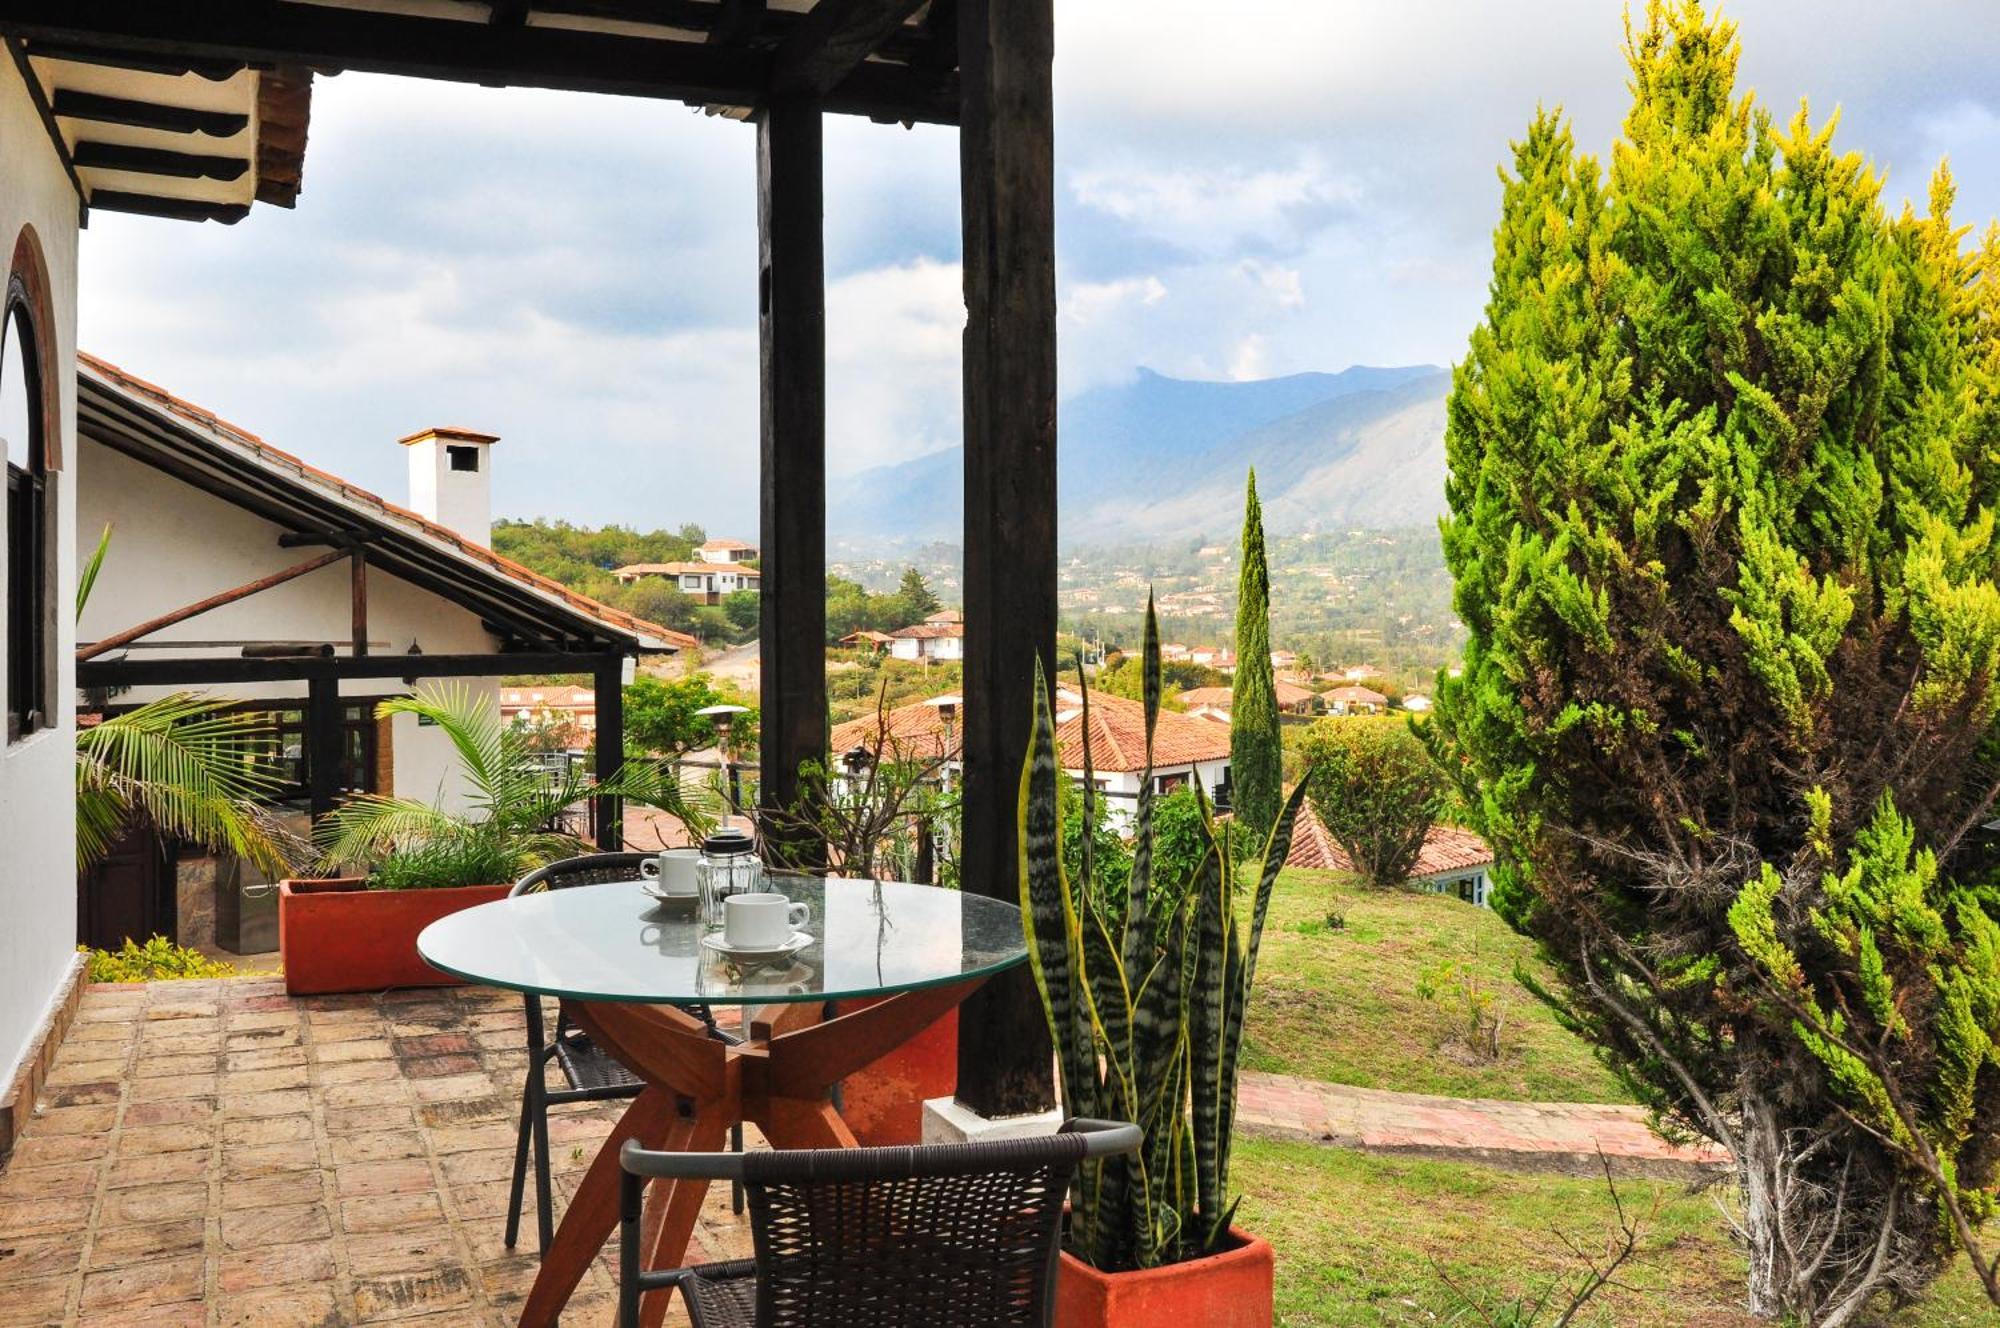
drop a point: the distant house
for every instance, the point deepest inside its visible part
(1353, 700)
(1417, 703)
(570, 712)
(871, 641)
(705, 581)
(727, 551)
(1185, 749)
(946, 618)
(1284, 659)
(1452, 862)
(1174, 650)
(929, 640)
(1214, 702)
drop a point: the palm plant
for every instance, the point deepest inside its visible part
(516, 805)
(1146, 1009)
(192, 766)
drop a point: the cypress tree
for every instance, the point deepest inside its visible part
(1721, 492)
(1256, 756)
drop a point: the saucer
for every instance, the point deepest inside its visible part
(762, 954)
(668, 903)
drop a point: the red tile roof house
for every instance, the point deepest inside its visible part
(1214, 702)
(706, 581)
(198, 505)
(1185, 748)
(1356, 701)
(570, 710)
(929, 640)
(1452, 862)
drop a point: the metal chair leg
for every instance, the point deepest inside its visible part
(630, 1196)
(544, 1192)
(736, 1186)
(521, 1145)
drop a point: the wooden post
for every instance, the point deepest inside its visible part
(610, 687)
(323, 743)
(1007, 188)
(792, 332)
(357, 575)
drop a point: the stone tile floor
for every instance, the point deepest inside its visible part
(220, 1154)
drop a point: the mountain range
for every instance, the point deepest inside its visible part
(1159, 458)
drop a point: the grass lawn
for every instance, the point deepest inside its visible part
(1341, 1005)
(1356, 1235)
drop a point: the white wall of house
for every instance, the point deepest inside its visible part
(37, 809)
(172, 544)
(1122, 786)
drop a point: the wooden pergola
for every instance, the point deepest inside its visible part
(983, 65)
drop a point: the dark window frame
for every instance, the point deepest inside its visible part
(31, 562)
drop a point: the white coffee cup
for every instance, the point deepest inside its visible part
(761, 920)
(674, 870)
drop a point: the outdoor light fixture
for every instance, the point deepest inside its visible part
(856, 759)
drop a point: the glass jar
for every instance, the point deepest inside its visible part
(728, 866)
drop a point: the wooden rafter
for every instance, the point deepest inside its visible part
(200, 606)
(70, 104)
(832, 42)
(211, 36)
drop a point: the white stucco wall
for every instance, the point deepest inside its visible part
(172, 544)
(37, 816)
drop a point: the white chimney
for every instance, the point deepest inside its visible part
(451, 480)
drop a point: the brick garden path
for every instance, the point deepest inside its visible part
(1553, 1136)
(214, 1154)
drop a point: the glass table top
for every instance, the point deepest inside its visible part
(614, 942)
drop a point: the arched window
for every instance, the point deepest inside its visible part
(30, 564)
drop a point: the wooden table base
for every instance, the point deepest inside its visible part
(780, 1079)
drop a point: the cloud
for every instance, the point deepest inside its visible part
(1221, 210)
(1289, 186)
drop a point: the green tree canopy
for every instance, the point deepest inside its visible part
(1256, 750)
(1722, 482)
(1376, 789)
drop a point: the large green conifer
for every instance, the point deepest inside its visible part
(1723, 471)
(1256, 755)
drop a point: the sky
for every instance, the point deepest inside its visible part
(1309, 185)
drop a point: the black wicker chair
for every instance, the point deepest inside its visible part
(876, 1237)
(593, 1074)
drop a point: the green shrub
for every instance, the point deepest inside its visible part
(441, 863)
(1376, 788)
(159, 958)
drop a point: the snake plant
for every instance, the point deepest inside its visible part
(1146, 1008)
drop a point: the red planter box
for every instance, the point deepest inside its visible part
(1227, 1290)
(883, 1103)
(336, 935)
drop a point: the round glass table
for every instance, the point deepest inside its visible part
(616, 943)
(624, 965)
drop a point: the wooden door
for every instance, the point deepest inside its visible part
(131, 892)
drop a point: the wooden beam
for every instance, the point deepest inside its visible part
(215, 601)
(1007, 191)
(832, 41)
(215, 33)
(72, 105)
(357, 591)
(96, 51)
(609, 685)
(92, 155)
(224, 670)
(323, 744)
(791, 285)
(176, 209)
(737, 22)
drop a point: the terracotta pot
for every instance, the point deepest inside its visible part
(337, 935)
(883, 1103)
(1231, 1289)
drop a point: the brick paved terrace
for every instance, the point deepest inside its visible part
(219, 1154)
